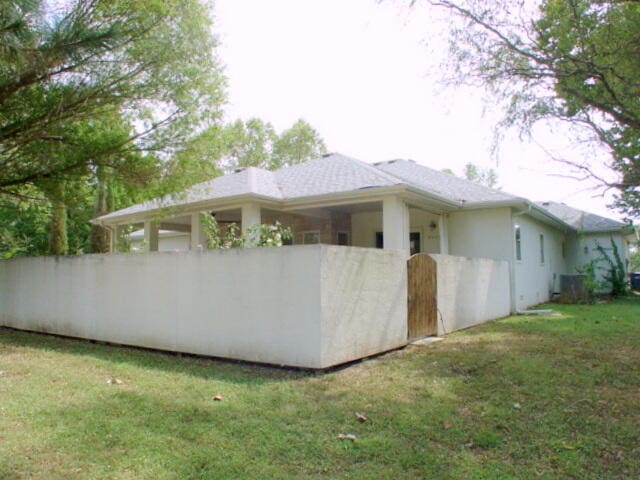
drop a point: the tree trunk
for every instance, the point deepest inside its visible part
(99, 236)
(58, 243)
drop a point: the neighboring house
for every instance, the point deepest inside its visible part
(168, 240)
(396, 204)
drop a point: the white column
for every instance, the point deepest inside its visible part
(395, 224)
(115, 232)
(198, 238)
(250, 216)
(444, 234)
(151, 235)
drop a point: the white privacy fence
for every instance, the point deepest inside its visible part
(309, 306)
(471, 291)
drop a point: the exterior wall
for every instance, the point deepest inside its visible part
(471, 291)
(366, 224)
(535, 281)
(279, 305)
(166, 243)
(586, 250)
(484, 233)
(327, 224)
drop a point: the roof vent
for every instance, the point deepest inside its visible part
(325, 155)
(238, 170)
(546, 204)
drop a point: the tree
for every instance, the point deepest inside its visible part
(483, 176)
(249, 144)
(151, 62)
(101, 93)
(255, 143)
(568, 60)
(298, 144)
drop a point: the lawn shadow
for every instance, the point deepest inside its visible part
(211, 368)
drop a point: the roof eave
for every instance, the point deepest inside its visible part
(225, 203)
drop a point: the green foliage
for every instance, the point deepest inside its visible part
(590, 281)
(634, 261)
(68, 70)
(483, 176)
(229, 235)
(568, 60)
(615, 276)
(98, 96)
(296, 145)
(255, 143)
(265, 235)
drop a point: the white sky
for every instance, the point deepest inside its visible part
(364, 74)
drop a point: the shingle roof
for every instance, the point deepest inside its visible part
(333, 173)
(443, 184)
(336, 173)
(581, 220)
(250, 180)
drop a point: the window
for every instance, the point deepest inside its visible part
(309, 238)
(343, 238)
(518, 243)
(541, 248)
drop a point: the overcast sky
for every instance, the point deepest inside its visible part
(365, 75)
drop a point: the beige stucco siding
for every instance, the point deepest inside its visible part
(484, 233)
(536, 280)
(366, 224)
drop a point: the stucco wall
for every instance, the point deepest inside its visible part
(168, 243)
(535, 280)
(267, 305)
(484, 233)
(471, 291)
(587, 250)
(364, 302)
(366, 224)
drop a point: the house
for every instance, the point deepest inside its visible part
(396, 204)
(168, 240)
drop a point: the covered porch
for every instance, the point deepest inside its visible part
(390, 222)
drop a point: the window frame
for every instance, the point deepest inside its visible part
(310, 232)
(518, 243)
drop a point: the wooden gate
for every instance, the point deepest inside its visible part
(423, 312)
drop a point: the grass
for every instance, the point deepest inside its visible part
(523, 397)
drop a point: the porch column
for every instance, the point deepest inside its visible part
(198, 239)
(250, 216)
(395, 224)
(444, 233)
(115, 233)
(151, 235)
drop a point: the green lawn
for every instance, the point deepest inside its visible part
(523, 397)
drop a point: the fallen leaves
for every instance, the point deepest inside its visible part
(347, 436)
(218, 398)
(115, 381)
